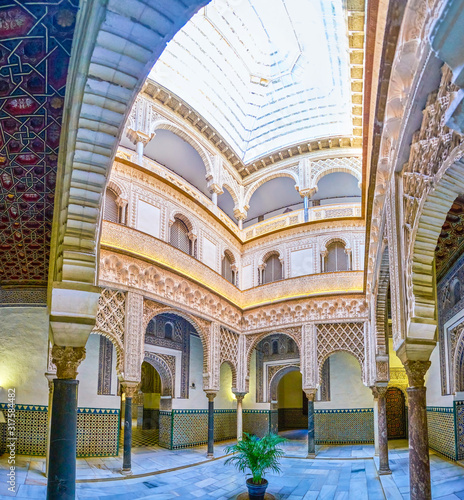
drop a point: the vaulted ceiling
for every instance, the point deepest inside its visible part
(35, 46)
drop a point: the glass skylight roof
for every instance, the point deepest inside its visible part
(265, 74)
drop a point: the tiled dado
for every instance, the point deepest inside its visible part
(292, 418)
(97, 430)
(344, 426)
(446, 430)
(185, 428)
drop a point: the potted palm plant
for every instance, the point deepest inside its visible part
(258, 455)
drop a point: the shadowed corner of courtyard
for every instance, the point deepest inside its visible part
(339, 472)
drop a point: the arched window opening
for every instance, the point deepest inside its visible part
(275, 347)
(337, 259)
(455, 293)
(180, 236)
(272, 269)
(111, 211)
(291, 346)
(168, 331)
(227, 269)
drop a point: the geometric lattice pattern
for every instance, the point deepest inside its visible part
(35, 45)
(229, 351)
(186, 428)
(97, 430)
(111, 313)
(451, 240)
(332, 337)
(344, 426)
(441, 430)
(459, 419)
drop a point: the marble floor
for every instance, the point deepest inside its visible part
(338, 472)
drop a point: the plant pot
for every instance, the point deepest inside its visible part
(256, 491)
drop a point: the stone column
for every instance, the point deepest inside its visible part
(50, 377)
(419, 463)
(381, 391)
(63, 429)
(306, 212)
(311, 394)
(130, 390)
(239, 397)
(210, 396)
(376, 423)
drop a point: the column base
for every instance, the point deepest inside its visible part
(126, 472)
(210, 455)
(311, 455)
(384, 472)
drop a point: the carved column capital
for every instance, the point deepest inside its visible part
(379, 391)
(416, 370)
(130, 388)
(240, 395)
(67, 359)
(211, 395)
(310, 394)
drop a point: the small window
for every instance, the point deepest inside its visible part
(227, 271)
(337, 259)
(272, 270)
(179, 236)
(275, 347)
(111, 211)
(168, 331)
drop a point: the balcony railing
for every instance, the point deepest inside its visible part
(289, 219)
(125, 240)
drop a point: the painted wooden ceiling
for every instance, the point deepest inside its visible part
(35, 46)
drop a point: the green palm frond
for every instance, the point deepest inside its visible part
(257, 454)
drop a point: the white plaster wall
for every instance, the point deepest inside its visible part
(197, 398)
(302, 262)
(346, 387)
(88, 379)
(24, 353)
(225, 399)
(148, 218)
(433, 382)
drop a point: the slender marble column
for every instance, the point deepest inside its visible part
(239, 397)
(419, 463)
(384, 466)
(139, 147)
(311, 394)
(129, 391)
(376, 424)
(306, 212)
(61, 483)
(210, 396)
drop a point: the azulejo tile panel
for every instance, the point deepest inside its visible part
(292, 418)
(256, 422)
(459, 428)
(165, 429)
(344, 426)
(441, 430)
(97, 430)
(186, 428)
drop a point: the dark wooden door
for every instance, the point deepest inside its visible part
(396, 413)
